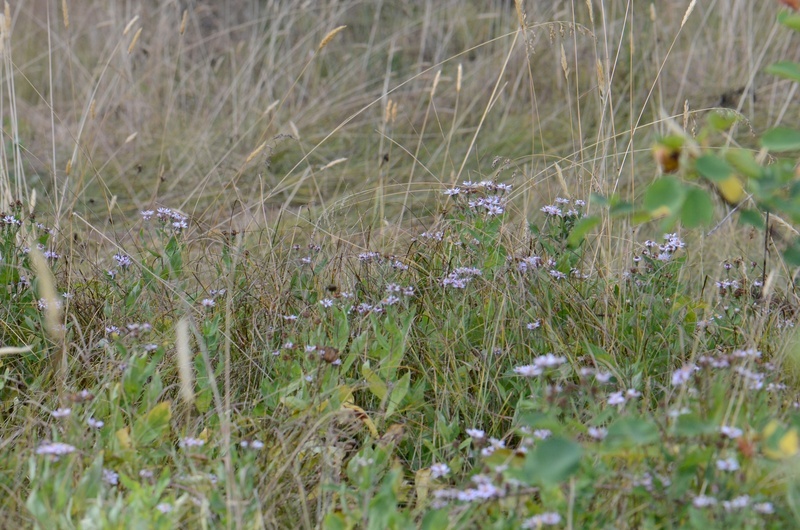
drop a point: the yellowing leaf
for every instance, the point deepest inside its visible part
(780, 442)
(364, 417)
(124, 437)
(731, 190)
(422, 485)
(155, 424)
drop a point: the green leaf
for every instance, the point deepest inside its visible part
(751, 217)
(154, 425)
(792, 254)
(374, 382)
(664, 197)
(631, 432)
(790, 20)
(744, 162)
(553, 461)
(781, 139)
(697, 209)
(713, 168)
(722, 120)
(785, 69)
(434, 520)
(580, 230)
(692, 425)
(398, 394)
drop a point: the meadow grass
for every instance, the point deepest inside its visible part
(307, 264)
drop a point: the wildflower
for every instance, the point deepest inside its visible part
(542, 434)
(477, 434)
(598, 433)
(683, 374)
(208, 302)
(580, 202)
(728, 464)
(528, 370)
(56, 449)
(110, 477)
(61, 413)
(549, 360)
(326, 302)
(616, 398)
(290, 317)
(558, 275)
(439, 470)
(543, 519)
(674, 413)
(164, 507)
(305, 261)
(765, 508)
(146, 474)
(189, 442)
(49, 254)
(603, 377)
(730, 432)
(310, 348)
(390, 300)
(553, 211)
(736, 503)
(150, 347)
(94, 424)
(288, 345)
(561, 200)
(632, 393)
(703, 501)
(534, 325)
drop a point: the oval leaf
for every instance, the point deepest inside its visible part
(781, 139)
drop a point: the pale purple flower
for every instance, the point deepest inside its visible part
(730, 432)
(728, 464)
(439, 470)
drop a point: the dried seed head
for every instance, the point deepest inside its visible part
(133, 41)
(688, 12)
(130, 25)
(183, 21)
(65, 13)
(329, 37)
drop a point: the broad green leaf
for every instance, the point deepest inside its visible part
(744, 162)
(398, 394)
(154, 425)
(785, 69)
(792, 254)
(374, 382)
(751, 217)
(697, 209)
(781, 139)
(580, 230)
(664, 196)
(713, 168)
(693, 425)
(553, 461)
(631, 432)
(722, 120)
(790, 20)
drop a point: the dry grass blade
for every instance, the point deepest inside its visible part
(184, 359)
(49, 294)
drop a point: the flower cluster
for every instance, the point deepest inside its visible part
(492, 199)
(460, 277)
